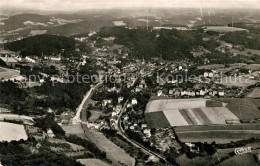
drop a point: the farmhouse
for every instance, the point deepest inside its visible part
(10, 61)
(50, 133)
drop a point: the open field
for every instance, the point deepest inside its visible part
(92, 162)
(211, 103)
(255, 93)
(157, 120)
(252, 67)
(240, 160)
(256, 102)
(175, 118)
(74, 130)
(183, 129)
(223, 29)
(11, 131)
(94, 115)
(237, 81)
(248, 159)
(113, 152)
(244, 109)
(172, 104)
(74, 147)
(8, 73)
(183, 160)
(218, 133)
(2, 70)
(211, 67)
(218, 136)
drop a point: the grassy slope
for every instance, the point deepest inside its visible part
(221, 137)
(244, 109)
(214, 133)
(240, 160)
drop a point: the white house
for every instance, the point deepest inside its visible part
(120, 99)
(206, 74)
(202, 92)
(30, 59)
(147, 132)
(221, 93)
(134, 101)
(159, 93)
(113, 113)
(50, 133)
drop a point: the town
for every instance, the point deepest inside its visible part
(130, 95)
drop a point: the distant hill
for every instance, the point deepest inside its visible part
(46, 44)
(169, 44)
(17, 21)
(80, 27)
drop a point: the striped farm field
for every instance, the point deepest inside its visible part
(202, 115)
(185, 112)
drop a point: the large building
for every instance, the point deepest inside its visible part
(8, 58)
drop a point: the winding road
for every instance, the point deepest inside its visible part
(136, 144)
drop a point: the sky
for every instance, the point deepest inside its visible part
(75, 5)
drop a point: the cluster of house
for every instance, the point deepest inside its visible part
(142, 128)
(142, 85)
(179, 92)
(38, 133)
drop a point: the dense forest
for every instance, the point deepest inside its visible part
(11, 93)
(167, 44)
(43, 44)
(243, 38)
(61, 95)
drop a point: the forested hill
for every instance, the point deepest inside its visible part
(170, 44)
(46, 44)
